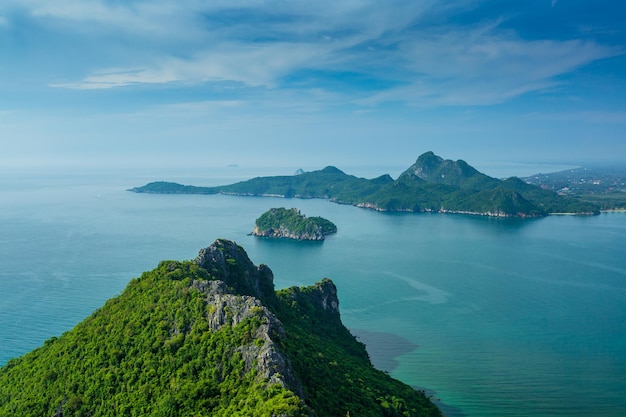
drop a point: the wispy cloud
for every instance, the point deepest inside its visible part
(147, 18)
(467, 67)
(405, 52)
(117, 78)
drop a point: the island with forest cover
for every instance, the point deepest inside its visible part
(208, 337)
(431, 184)
(292, 224)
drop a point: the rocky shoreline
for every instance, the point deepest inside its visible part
(284, 233)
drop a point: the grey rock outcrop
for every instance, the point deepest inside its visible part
(228, 262)
(283, 232)
(322, 297)
(239, 293)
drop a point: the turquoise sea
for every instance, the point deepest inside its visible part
(494, 317)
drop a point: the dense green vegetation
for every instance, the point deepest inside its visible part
(291, 223)
(431, 184)
(155, 350)
(339, 378)
(609, 201)
(147, 352)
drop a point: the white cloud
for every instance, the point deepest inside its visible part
(260, 43)
(195, 50)
(478, 66)
(255, 66)
(119, 78)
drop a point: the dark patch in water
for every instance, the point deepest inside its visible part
(384, 348)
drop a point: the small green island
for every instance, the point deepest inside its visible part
(292, 224)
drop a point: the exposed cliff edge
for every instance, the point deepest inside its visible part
(292, 224)
(431, 184)
(208, 337)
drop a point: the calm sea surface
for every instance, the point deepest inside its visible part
(495, 317)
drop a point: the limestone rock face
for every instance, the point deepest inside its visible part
(322, 297)
(229, 306)
(283, 232)
(240, 290)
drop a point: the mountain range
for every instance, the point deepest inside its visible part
(431, 184)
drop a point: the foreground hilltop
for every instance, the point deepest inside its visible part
(209, 337)
(431, 184)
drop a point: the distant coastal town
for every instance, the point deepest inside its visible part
(605, 186)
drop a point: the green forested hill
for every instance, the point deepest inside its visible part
(431, 184)
(208, 337)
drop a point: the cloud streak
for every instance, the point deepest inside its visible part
(407, 53)
(462, 68)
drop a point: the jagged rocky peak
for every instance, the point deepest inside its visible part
(226, 261)
(426, 164)
(263, 355)
(238, 291)
(324, 296)
(432, 168)
(332, 170)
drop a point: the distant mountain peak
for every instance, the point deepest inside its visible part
(432, 168)
(429, 161)
(332, 170)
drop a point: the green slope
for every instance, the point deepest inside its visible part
(339, 376)
(207, 338)
(433, 169)
(550, 201)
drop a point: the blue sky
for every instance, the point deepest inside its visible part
(293, 83)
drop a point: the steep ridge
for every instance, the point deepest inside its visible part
(434, 169)
(208, 337)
